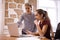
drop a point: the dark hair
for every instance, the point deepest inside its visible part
(41, 11)
(27, 4)
(46, 14)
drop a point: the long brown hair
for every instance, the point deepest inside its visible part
(45, 15)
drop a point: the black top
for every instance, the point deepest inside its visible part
(47, 34)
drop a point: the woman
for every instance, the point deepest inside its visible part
(42, 23)
(28, 17)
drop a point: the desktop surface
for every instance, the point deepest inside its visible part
(4, 37)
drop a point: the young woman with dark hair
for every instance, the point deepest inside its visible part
(42, 23)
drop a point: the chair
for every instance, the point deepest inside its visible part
(57, 34)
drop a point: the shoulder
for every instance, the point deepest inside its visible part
(32, 13)
(23, 14)
(46, 22)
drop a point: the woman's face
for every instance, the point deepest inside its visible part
(28, 9)
(37, 16)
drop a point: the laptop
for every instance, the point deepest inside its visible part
(14, 32)
(13, 29)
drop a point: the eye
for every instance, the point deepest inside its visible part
(36, 14)
(26, 8)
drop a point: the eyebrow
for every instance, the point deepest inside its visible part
(36, 14)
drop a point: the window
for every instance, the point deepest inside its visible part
(50, 7)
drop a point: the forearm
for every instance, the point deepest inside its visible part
(20, 22)
(52, 33)
(36, 33)
(40, 31)
(21, 19)
(52, 36)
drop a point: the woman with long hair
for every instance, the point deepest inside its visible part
(42, 23)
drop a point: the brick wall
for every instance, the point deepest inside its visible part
(14, 9)
(34, 3)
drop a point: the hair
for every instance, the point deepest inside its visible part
(47, 18)
(27, 4)
(41, 11)
(46, 14)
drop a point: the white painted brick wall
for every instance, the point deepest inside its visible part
(1, 17)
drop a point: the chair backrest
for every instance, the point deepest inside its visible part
(57, 34)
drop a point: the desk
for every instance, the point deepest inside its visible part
(20, 38)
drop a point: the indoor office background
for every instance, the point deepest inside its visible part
(11, 10)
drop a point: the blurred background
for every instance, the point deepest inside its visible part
(11, 10)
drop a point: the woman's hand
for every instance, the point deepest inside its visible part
(52, 38)
(36, 23)
(29, 32)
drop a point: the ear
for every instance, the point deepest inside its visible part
(41, 15)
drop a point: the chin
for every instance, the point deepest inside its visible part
(37, 19)
(27, 12)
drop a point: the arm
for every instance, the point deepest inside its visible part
(43, 31)
(52, 34)
(20, 21)
(33, 33)
(40, 32)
